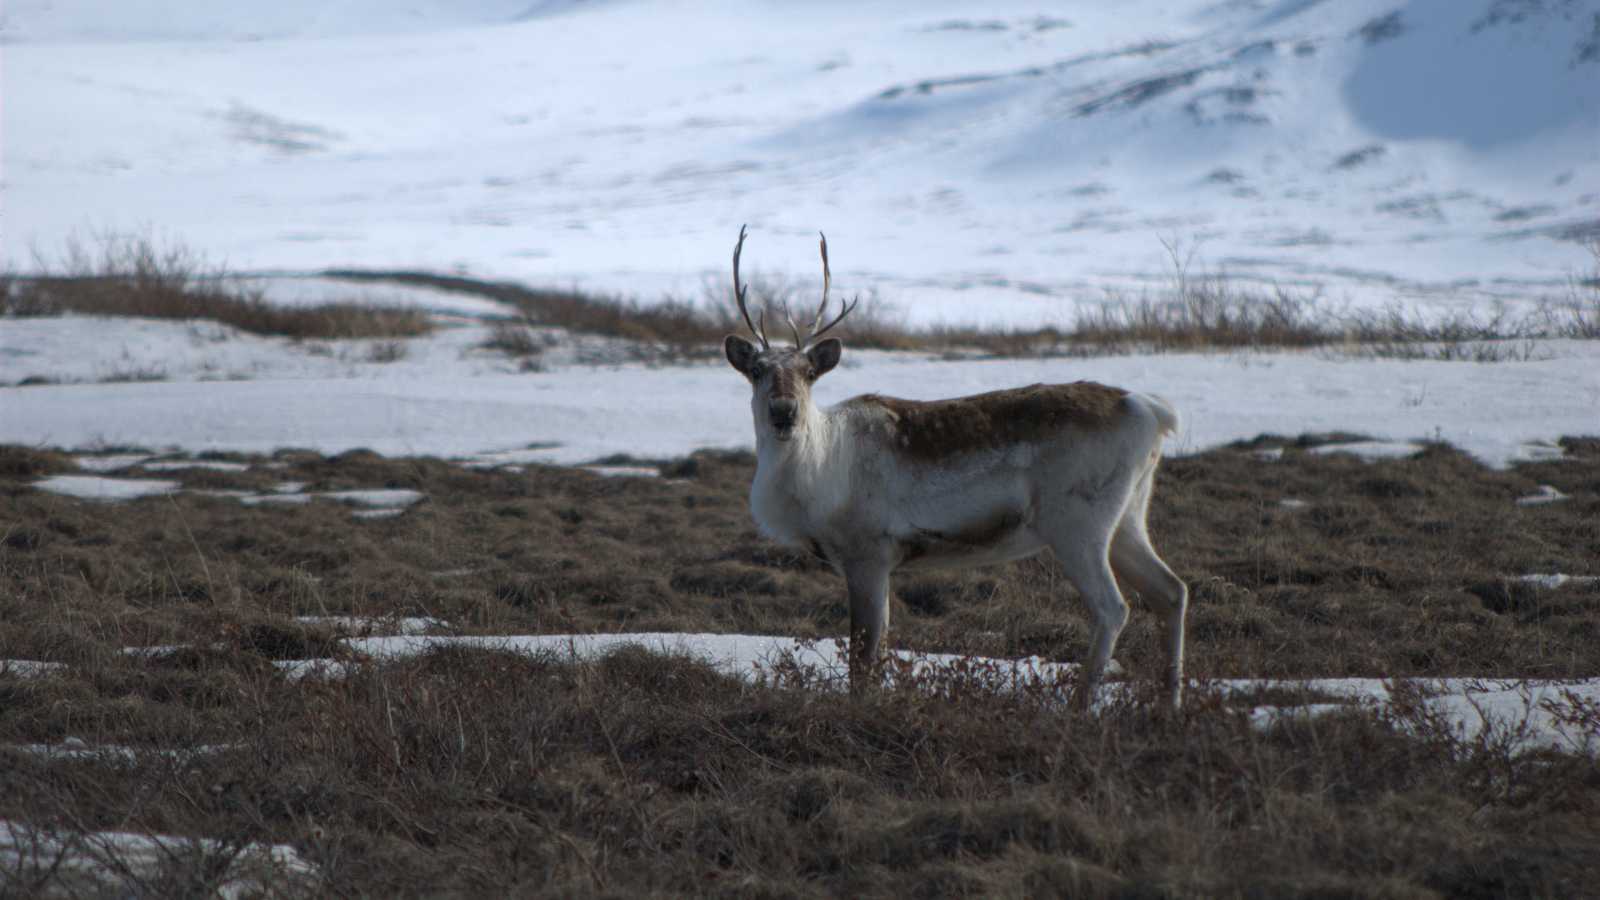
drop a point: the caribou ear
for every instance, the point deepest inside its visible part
(825, 355)
(740, 352)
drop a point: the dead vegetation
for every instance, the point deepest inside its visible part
(136, 277)
(466, 773)
(1195, 310)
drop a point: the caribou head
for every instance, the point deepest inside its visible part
(781, 377)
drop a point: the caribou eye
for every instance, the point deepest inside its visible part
(811, 374)
(755, 372)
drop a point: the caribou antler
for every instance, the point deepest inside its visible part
(827, 282)
(811, 334)
(738, 295)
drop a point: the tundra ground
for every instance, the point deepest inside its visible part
(462, 773)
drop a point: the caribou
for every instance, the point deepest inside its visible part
(878, 484)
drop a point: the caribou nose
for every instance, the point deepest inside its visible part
(782, 411)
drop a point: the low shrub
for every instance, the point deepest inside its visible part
(133, 277)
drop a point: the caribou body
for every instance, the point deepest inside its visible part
(877, 484)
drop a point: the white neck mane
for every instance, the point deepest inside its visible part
(798, 481)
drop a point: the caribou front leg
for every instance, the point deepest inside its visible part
(867, 586)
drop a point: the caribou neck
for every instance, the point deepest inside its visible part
(800, 479)
(809, 451)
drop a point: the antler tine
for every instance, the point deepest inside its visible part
(792, 326)
(738, 296)
(836, 320)
(827, 282)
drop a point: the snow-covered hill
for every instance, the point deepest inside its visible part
(1004, 162)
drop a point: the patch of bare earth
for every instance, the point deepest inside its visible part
(470, 772)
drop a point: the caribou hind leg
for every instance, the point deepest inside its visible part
(1088, 567)
(1135, 562)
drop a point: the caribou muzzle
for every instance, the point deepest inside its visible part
(782, 412)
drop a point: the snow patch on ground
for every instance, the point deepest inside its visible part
(1525, 710)
(1553, 580)
(377, 502)
(1469, 706)
(111, 490)
(368, 626)
(119, 863)
(447, 397)
(74, 748)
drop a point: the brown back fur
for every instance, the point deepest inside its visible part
(937, 429)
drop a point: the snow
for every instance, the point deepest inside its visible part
(376, 502)
(95, 487)
(624, 471)
(31, 668)
(369, 625)
(446, 398)
(1371, 449)
(1547, 494)
(733, 654)
(1011, 167)
(1523, 710)
(1553, 580)
(76, 748)
(392, 498)
(277, 497)
(120, 863)
(1468, 706)
(215, 465)
(109, 462)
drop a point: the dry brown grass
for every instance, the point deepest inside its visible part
(134, 277)
(1199, 314)
(669, 322)
(471, 772)
(466, 773)
(1194, 312)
